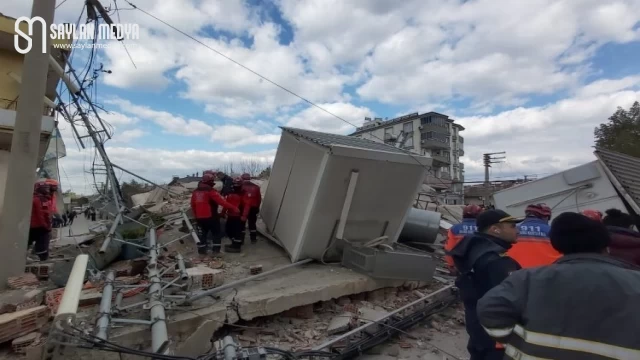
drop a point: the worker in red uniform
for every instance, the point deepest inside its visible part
(235, 225)
(251, 200)
(53, 187)
(41, 220)
(593, 214)
(533, 247)
(204, 204)
(459, 231)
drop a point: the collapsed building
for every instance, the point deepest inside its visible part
(332, 256)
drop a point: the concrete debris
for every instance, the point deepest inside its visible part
(367, 314)
(23, 281)
(20, 345)
(300, 312)
(340, 323)
(255, 269)
(204, 278)
(15, 300)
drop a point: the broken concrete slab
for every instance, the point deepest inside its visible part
(340, 323)
(307, 285)
(14, 300)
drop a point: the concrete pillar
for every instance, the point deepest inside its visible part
(21, 174)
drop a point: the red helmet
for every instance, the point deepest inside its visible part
(246, 176)
(207, 172)
(41, 187)
(208, 178)
(541, 211)
(593, 214)
(237, 181)
(471, 211)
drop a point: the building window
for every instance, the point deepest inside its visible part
(432, 135)
(434, 120)
(407, 128)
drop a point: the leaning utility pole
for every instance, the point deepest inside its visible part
(489, 159)
(25, 144)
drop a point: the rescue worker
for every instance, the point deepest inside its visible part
(533, 247)
(593, 214)
(41, 220)
(482, 262)
(235, 226)
(459, 231)
(53, 187)
(204, 204)
(227, 183)
(252, 198)
(584, 306)
(625, 242)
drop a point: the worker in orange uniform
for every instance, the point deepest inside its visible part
(204, 204)
(252, 198)
(593, 214)
(235, 225)
(41, 220)
(459, 231)
(533, 247)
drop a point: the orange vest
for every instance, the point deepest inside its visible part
(533, 247)
(457, 233)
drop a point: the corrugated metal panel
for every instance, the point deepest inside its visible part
(625, 168)
(327, 140)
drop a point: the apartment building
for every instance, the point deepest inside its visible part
(432, 134)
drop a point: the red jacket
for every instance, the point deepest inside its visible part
(205, 201)
(251, 197)
(234, 199)
(625, 244)
(41, 214)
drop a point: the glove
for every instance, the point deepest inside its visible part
(243, 219)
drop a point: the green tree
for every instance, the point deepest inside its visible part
(622, 132)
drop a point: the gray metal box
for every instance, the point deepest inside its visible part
(398, 264)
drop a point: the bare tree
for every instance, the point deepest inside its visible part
(253, 167)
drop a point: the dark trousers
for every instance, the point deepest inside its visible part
(235, 230)
(209, 225)
(40, 237)
(480, 346)
(251, 220)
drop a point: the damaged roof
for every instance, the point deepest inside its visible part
(625, 169)
(328, 140)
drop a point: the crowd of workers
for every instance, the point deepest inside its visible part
(240, 201)
(534, 290)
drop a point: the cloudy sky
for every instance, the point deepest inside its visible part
(532, 78)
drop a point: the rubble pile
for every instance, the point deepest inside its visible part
(304, 327)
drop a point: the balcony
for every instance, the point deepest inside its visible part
(436, 128)
(440, 159)
(434, 144)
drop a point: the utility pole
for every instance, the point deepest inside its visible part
(489, 159)
(25, 144)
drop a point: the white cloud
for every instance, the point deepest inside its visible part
(542, 139)
(128, 135)
(313, 118)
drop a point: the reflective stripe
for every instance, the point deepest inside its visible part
(568, 343)
(499, 333)
(514, 353)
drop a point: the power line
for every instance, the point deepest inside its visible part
(274, 83)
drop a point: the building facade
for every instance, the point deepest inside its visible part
(431, 134)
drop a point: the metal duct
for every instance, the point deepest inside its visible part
(421, 226)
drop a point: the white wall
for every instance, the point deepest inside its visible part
(558, 192)
(378, 198)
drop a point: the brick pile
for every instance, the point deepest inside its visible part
(23, 281)
(13, 325)
(21, 344)
(41, 271)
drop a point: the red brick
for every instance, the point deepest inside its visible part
(23, 281)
